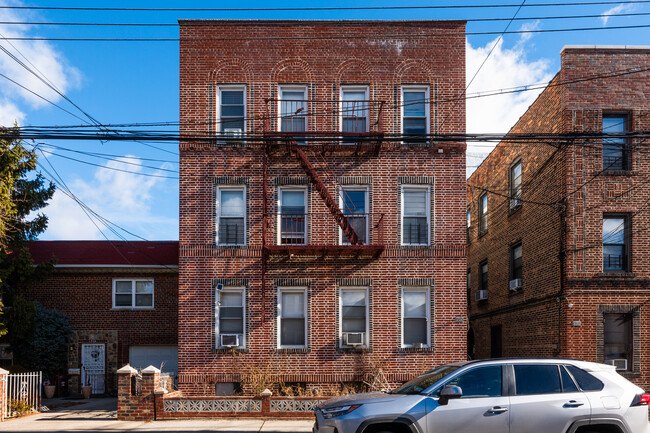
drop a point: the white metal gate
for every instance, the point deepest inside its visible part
(23, 391)
(93, 363)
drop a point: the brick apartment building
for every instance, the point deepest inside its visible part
(316, 243)
(122, 301)
(558, 230)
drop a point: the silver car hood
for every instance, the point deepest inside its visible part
(364, 398)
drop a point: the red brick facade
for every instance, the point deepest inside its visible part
(567, 190)
(323, 57)
(82, 287)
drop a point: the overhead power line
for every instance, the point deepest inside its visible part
(175, 24)
(332, 37)
(332, 8)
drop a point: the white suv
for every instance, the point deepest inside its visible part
(497, 396)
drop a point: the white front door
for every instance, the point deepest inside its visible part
(93, 366)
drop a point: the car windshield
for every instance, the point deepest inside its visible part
(424, 381)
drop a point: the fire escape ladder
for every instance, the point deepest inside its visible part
(340, 218)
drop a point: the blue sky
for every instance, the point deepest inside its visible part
(129, 82)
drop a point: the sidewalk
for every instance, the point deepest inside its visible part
(99, 415)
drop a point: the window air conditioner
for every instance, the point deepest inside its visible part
(353, 338)
(418, 345)
(232, 132)
(481, 295)
(515, 203)
(619, 363)
(229, 340)
(515, 284)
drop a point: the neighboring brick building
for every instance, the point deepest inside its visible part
(269, 283)
(559, 230)
(122, 301)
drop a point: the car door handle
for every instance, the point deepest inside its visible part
(497, 409)
(573, 403)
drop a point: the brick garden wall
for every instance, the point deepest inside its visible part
(383, 64)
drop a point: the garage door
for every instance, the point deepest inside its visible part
(144, 356)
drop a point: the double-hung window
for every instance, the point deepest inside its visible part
(416, 312)
(292, 317)
(232, 110)
(416, 215)
(415, 112)
(469, 226)
(615, 243)
(292, 216)
(354, 109)
(615, 149)
(132, 293)
(354, 204)
(515, 266)
(353, 304)
(482, 213)
(231, 317)
(515, 185)
(293, 108)
(618, 342)
(483, 275)
(231, 215)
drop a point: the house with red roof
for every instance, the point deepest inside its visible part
(122, 301)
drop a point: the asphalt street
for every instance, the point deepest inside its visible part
(100, 415)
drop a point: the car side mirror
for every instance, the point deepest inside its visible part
(449, 392)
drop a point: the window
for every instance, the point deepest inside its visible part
(415, 111)
(618, 339)
(469, 286)
(354, 109)
(483, 275)
(354, 204)
(568, 385)
(293, 216)
(293, 109)
(292, 318)
(132, 293)
(615, 155)
(232, 110)
(415, 215)
(515, 185)
(231, 215)
(479, 382)
(585, 381)
(515, 262)
(482, 213)
(415, 317)
(353, 304)
(537, 379)
(615, 247)
(469, 226)
(231, 317)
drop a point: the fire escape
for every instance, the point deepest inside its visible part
(308, 130)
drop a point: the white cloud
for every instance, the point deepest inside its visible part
(40, 56)
(505, 68)
(125, 199)
(10, 113)
(605, 16)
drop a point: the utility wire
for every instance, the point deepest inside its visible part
(453, 6)
(365, 36)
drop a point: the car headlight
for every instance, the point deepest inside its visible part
(336, 411)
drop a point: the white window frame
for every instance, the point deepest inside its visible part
(366, 337)
(221, 188)
(281, 291)
(427, 108)
(133, 283)
(242, 291)
(341, 189)
(427, 188)
(293, 88)
(427, 291)
(366, 91)
(227, 87)
(305, 191)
